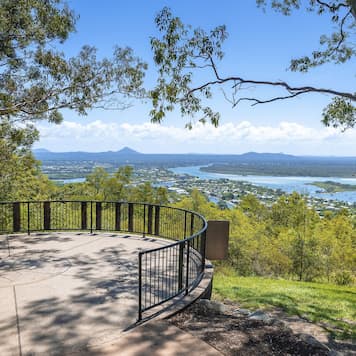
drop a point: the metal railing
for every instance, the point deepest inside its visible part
(164, 272)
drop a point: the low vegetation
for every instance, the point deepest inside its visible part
(334, 187)
(287, 240)
(288, 167)
(333, 307)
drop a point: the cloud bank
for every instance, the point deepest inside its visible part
(289, 137)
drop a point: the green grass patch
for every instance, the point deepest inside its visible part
(334, 307)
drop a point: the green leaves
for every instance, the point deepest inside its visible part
(187, 60)
(338, 48)
(340, 113)
(177, 52)
(20, 175)
(38, 80)
(287, 240)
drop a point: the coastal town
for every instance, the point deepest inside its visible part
(225, 192)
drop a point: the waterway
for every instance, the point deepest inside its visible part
(286, 184)
(69, 180)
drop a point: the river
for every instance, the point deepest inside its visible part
(286, 184)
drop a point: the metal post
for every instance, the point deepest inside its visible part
(28, 218)
(202, 249)
(84, 215)
(91, 217)
(187, 269)
(139, 286)
(149, 218)
(47, 215)
(180, 266)
(144, 220)
(157, 212)
(185, 224)
(98, 216)
(117, 216)
(131, 223)
(16, 216)
(191, 224)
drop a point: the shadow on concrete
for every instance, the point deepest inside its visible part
(88, 294)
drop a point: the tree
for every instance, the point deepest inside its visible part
(37, 80)
(20, 174)
(182, 54)
(96, 182)
(251, 206)
(103, 186)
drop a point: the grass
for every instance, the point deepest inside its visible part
(331, 306)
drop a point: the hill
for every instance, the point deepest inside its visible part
(250, 163)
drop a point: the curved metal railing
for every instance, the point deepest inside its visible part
(164, 273)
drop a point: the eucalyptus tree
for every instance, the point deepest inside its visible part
(38, 80)
(188, 65)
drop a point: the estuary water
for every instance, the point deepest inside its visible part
(286, 184)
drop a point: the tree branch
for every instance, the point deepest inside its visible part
(332, 8)
(294, 91)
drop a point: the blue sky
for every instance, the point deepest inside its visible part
(260, 46)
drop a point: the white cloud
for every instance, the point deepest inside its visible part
(229, 137)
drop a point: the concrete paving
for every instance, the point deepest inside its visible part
(62, 292)
(156, 338)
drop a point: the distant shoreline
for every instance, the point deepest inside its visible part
(280, 170)
(334, 187)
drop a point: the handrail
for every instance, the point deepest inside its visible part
(164, 272)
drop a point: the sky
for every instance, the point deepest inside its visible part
(260, 46)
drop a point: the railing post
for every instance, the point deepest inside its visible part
(98, 216)
(131, 223)
(47, 215)
(84, 214)
(185, 224)
(157, 212)
(187, 269)
(191, 224)
(28, 218)
(139, 286)
(149, 219)
(91, 217)
(180, 266)
(117, 216)
(144, 220)
(16, 216)
(202, 249)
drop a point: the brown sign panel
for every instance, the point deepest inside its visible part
(217, 240)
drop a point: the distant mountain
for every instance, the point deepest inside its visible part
(254, 156)
(126, 154)
(40, 150)
(128, 151)
(278, 164)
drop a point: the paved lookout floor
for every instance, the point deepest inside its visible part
(61, 292)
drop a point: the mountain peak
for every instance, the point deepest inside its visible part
(41, 150)
(128, 151)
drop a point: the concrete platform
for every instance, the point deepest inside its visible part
(64, 292)
(156, 338)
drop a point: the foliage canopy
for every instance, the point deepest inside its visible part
(183, 53)
(37, 81)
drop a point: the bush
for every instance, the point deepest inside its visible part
(344, 278)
